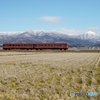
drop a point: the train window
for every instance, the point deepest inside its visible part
(62, 44)
(21, 44)
(6, 44)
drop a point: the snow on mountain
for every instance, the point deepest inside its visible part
(40, 33)
(53, 35)
(89, 35)
(9, 33)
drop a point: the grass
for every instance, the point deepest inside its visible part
(48, 76)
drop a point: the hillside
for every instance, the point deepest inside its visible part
(86, 39)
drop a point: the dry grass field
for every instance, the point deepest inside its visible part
(48, 75)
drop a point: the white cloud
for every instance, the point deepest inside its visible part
(95, 29)
(51, 19)
(77, 31)
(69, 31)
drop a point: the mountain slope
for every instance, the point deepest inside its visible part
(88, 38)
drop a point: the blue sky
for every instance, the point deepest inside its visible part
(22, 15)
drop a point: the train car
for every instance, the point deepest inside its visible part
(50, 45)
(17, 45)
(35, 45)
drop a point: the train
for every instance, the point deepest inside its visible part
(35, 45)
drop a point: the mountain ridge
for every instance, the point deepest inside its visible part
(85, 39)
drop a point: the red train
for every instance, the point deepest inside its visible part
(35, 45)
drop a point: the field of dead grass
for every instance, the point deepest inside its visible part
(48, 75)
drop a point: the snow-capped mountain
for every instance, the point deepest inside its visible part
(9, 33)
(89, 35)
(87, 38)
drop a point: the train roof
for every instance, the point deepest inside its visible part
(34, 42)
(48, 42)
(18, 43)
